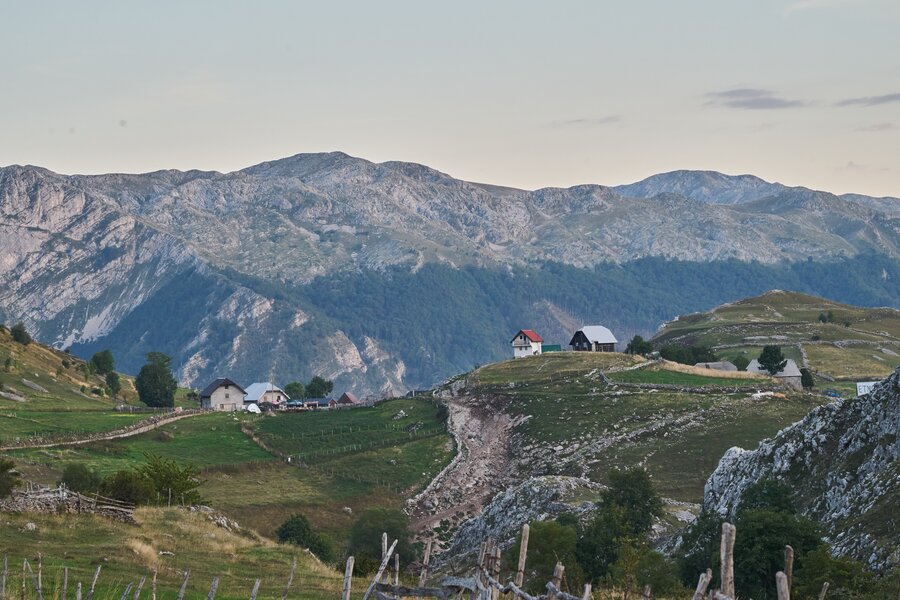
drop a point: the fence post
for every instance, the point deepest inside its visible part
(789, 565)
(495, 572)
(348, 579)
(726, 553)
(378, 575)
(396, 569)
(587, 592)
(705, 579)
(78, 591)
(212, 589)
(127, 590)
(187, 575)
(153, 584)
(558, 571)
(523, 554)
(65, 589)
(255, 590)
(140, 586)
(384, 550)
(824, 591)
(3, 580)
(94, 583)
(290, 580)
(648, 593)
(781, 585)
(423, 576)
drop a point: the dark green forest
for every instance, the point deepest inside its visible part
(441, 320)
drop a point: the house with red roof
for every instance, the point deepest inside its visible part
(526, 343)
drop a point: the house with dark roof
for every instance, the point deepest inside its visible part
(223, 394)
(348, 399)
(593, 338)
(526, 343)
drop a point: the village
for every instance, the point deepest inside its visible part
(224, 394)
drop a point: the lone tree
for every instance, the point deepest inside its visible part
(638, 345)
(318, 387)
(295, 390)
(113, 384)
(155, 384)
(297, 530)
(806, 379)
(772, 360)
(103, 362)
(20, 334)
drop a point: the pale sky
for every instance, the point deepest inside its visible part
(519, 93)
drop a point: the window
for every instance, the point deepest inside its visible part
(227, 395)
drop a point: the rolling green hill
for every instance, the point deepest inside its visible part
(851, 344)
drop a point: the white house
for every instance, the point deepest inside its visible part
(265, 391)
(526, 343)
(594, 338)
(223, 394)
(789, 375)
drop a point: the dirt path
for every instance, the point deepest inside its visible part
(116, 434)
(481, 429)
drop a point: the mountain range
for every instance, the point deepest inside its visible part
(393, 275)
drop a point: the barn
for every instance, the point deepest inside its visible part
(593, 338)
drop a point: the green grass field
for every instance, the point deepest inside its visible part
(129, 552)
(678, 437)
(663, 376)
(207, 440)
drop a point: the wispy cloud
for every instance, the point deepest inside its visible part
(751, 99)
(587, 121)
(870, 100)
(877, 127)
(798, 5)
(852, 166)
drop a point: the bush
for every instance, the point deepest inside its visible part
(365, 538)
(103, 362)
(113, 383)
(638, 565)
(20, 334)
(297, 530)
(128, 486)
(78, 477)
(9, 478)
(632, 491)
(688, 355)
(171, 480)
(638, 345)
(741, 362)
(548, 542)
(598, 546)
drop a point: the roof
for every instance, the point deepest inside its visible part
(789, 370)
(319, 401)
(722, 365)
(347, 398)
(216, 384)
(255, 391)
(531, 334)
(598, 334)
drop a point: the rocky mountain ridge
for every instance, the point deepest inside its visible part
(87, 260)
(842, 461)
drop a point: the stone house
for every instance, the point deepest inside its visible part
(223, 394)
(789, 375)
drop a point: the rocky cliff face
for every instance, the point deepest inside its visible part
(842, 460)
(82, 257)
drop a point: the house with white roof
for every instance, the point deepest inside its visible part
(265, 391)
(593, 338)
(223, 394)
(789, 375)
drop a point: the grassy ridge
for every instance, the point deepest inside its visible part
(581, 426)
(127, 552)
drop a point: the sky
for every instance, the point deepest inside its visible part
(519, 93)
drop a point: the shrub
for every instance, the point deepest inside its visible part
(741, 362)
(9, 478)
(128, 486)
(113, 383)
(20, 334)
(297, 530)
(638, 565)
(632, 491)
(548, 542)
(365, 537)
(103, 362)
(171, 480)
(78, 477)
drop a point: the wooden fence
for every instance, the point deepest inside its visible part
(484, 583)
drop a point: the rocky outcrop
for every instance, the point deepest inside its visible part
(842, 462)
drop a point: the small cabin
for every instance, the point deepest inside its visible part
(265, 391)
(789, 375)
(593, 338)
(526, 343)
